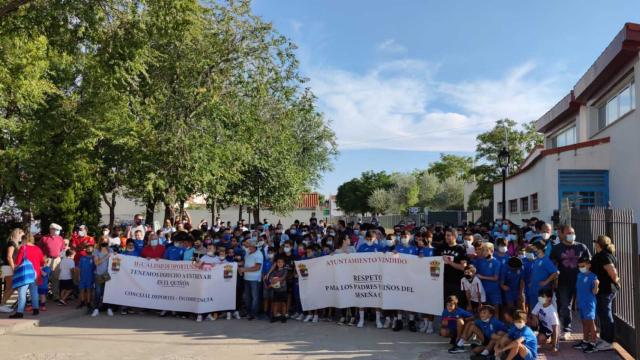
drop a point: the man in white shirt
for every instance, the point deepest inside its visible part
(137, 225)
(252, 271)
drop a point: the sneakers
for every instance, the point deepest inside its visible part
(300, 317)
(604, 346)
(199, 318)
(315, 318)
(228, 315)
(360, 323)
(95, 313)
(580, 345)
(387, 323)
(43, 308)
(16, 316)
(430, 328)
(6, 308)
(398, 324)
(341, 321)
(236, 315)
(423, 327)
(566, 336)
(36, 312)
(412, 326)
(163, 313)
(379, 324)
(109, 312)
(455, 349)
(352, 321)
(590, 348)
(308, 318)
(210, 317)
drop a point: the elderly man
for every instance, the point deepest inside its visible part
(53, 247)
(252, 271)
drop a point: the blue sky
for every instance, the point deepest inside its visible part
(403, 81)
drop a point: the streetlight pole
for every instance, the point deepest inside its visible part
(503, 162)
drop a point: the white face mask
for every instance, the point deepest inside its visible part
(369, 242)
(519, 326)
(468, 243)
(502, 249)
(542, 300)
(546, 236)
(153, 242)
(287, 249)
(513, 237)
(531, 256)
(571, 238)
(583, 270)
(57, 232)
(486, 320)
(329, 242)
(82, 233)
(405, 241)
(210, 253)
(390, 242)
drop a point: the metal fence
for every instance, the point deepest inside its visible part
(452, 217)
(619, 225)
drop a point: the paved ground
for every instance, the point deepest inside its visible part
(151, 337)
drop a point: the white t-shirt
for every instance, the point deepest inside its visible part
(548, 316)
(66, 267)
(114, 241)
(475, 288)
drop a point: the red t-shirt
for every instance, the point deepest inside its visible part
(76, 242)
(152, 252)
(52, 246)
(34, 254)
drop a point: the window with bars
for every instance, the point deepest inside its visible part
(524, 204)
(534, 202)
(513, 206)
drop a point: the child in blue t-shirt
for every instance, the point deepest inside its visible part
(511, 282)
(488, 270)
(86, 267)
(520, 343)
(43, 288)
(543, 273)
(453, 321)
(586, 290)
(488, 329)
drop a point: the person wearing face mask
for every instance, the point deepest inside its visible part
(603, 265)
(520, 342)
(511, 283)
(137, 225)
(565, 256)
(501, 254)
(252, 271)
(53, 247)
(130, 249)
(153, 250)
(528, 259)
(189, 250)
(101, 261)
(206, 262)
(544, 317)
(405, 246)
(489, 270)
(455, 260)
(79, 241)
(467, 242)
(9, 253)
(514, 242)
(486, 329)
(543, 273)
(369, 245)
(586, 290)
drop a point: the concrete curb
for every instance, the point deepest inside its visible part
(48, 319)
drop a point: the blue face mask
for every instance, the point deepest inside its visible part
(505, 227)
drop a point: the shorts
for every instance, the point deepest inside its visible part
(86, 282)
(43, 290)
(511, 297)
(6, 270)
(66, 284)
(494, 298)
(544, 331)
(529, 356)
(587, 312)
(279, 296)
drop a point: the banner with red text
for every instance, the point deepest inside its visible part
(372, 280)
(170, 285)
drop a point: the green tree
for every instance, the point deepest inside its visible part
(353, 196)
(380, 201)
(520, 141)
(451, 165)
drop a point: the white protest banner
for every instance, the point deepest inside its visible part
(170, 285)
(375, 280)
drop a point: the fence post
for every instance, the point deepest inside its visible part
(636, 287)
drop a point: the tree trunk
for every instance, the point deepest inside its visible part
(169, 213)
(239, 213)
(213, 208)
(112, 210)
(149, 212)
(256, 216)
(26, 221)
(181, 210)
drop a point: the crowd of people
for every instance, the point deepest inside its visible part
(509, 290)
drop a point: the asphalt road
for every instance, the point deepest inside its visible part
(151, 337)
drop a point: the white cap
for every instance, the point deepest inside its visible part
(55, 226)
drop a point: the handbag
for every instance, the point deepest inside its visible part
(24, 274)
(101, 279)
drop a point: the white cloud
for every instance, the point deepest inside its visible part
(392, 47)
(394, 106)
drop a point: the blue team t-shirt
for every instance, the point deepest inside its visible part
(86, 266)
(584, 289)
(368, 248)
(426, 251)
(489, 267)
(540, 270)
(135, 252)
(187, 254)
(530, 340)
(43, 288)
(512, 278)
(455, 314)
(491, 327)
(409, 249)
(174, 253)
